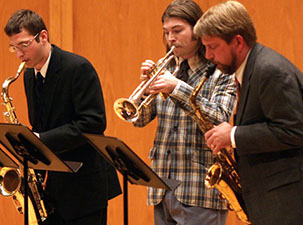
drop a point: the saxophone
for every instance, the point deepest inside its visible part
(223, 173)
(10, 179)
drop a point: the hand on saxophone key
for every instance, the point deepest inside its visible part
(219, 137)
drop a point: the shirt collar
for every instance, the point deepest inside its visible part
(45, 66)
(240, 70)
(193, 62)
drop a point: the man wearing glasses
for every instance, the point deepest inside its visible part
(65, 99)
(23, 45)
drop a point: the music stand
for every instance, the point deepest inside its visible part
(27, 148)
(132, 168)
(7, 161)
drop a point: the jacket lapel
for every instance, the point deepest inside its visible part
(30, 80)
(246, 82)
(51, 81)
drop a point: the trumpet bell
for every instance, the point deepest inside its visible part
(126, 109)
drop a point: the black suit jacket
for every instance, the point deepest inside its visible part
(73, 104)
(269, 138)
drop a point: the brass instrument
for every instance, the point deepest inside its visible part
(10, 115)
(10, 179)
(128, 109)
(223, 173)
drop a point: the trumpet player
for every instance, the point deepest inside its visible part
(180, 154)
(64, 98)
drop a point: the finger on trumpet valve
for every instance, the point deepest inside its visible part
(143, 77)
(147, 67)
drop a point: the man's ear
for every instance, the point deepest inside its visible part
(239, 42)
(43, 36)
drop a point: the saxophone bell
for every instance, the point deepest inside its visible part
(10, 181)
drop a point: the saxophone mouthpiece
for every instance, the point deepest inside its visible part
(21, 67)
(210, 69)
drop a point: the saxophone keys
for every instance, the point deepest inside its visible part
(222, 196)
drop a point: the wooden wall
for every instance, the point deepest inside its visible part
(116, 36)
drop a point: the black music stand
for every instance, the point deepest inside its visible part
(7, 161)
(27, 148)
(127, 163)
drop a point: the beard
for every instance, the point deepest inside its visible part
(231, 68)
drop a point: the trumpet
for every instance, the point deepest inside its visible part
(128, 109)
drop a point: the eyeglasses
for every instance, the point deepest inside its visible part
(22, 46)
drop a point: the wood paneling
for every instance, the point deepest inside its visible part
(116, 36)
(61, 23)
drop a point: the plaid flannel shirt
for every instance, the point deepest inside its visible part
(180, 151)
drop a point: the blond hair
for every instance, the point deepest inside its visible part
(226, 20)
